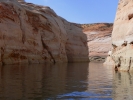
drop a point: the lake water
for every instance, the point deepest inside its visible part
(82, 81)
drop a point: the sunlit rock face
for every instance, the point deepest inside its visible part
(98, 40)
(122, 36)
(36, 34)
(123, 29)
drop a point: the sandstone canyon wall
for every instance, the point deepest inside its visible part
(98, 40)
(36, 34)
(122, 36)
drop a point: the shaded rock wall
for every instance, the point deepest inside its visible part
(122, 36)
(36, 34)
(76, 45)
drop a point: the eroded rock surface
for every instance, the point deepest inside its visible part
(122, 36)
(36, 34)
(98, 40)
(76, 45)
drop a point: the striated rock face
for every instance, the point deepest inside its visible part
(99, 40)
(36, 34)
(122, 36)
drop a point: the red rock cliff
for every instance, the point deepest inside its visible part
(36, 34)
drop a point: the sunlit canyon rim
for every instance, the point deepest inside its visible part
(122, 37)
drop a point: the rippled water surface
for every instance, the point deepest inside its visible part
(72, 81)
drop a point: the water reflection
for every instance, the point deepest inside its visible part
(64, 81)
(76, 81)
(32, 81)
(123, 86)
(100, 81)
(41, 81)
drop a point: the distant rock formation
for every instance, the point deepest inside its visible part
(36, 34)
(122, 36)
(22, 0)
(98, 40)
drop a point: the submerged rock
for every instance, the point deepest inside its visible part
(31, 33)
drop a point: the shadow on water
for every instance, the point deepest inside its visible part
(64, 81)
(32, 81)
(40, 81)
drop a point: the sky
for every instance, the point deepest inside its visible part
(82, 11)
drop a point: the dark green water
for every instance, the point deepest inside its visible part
(72, 81)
